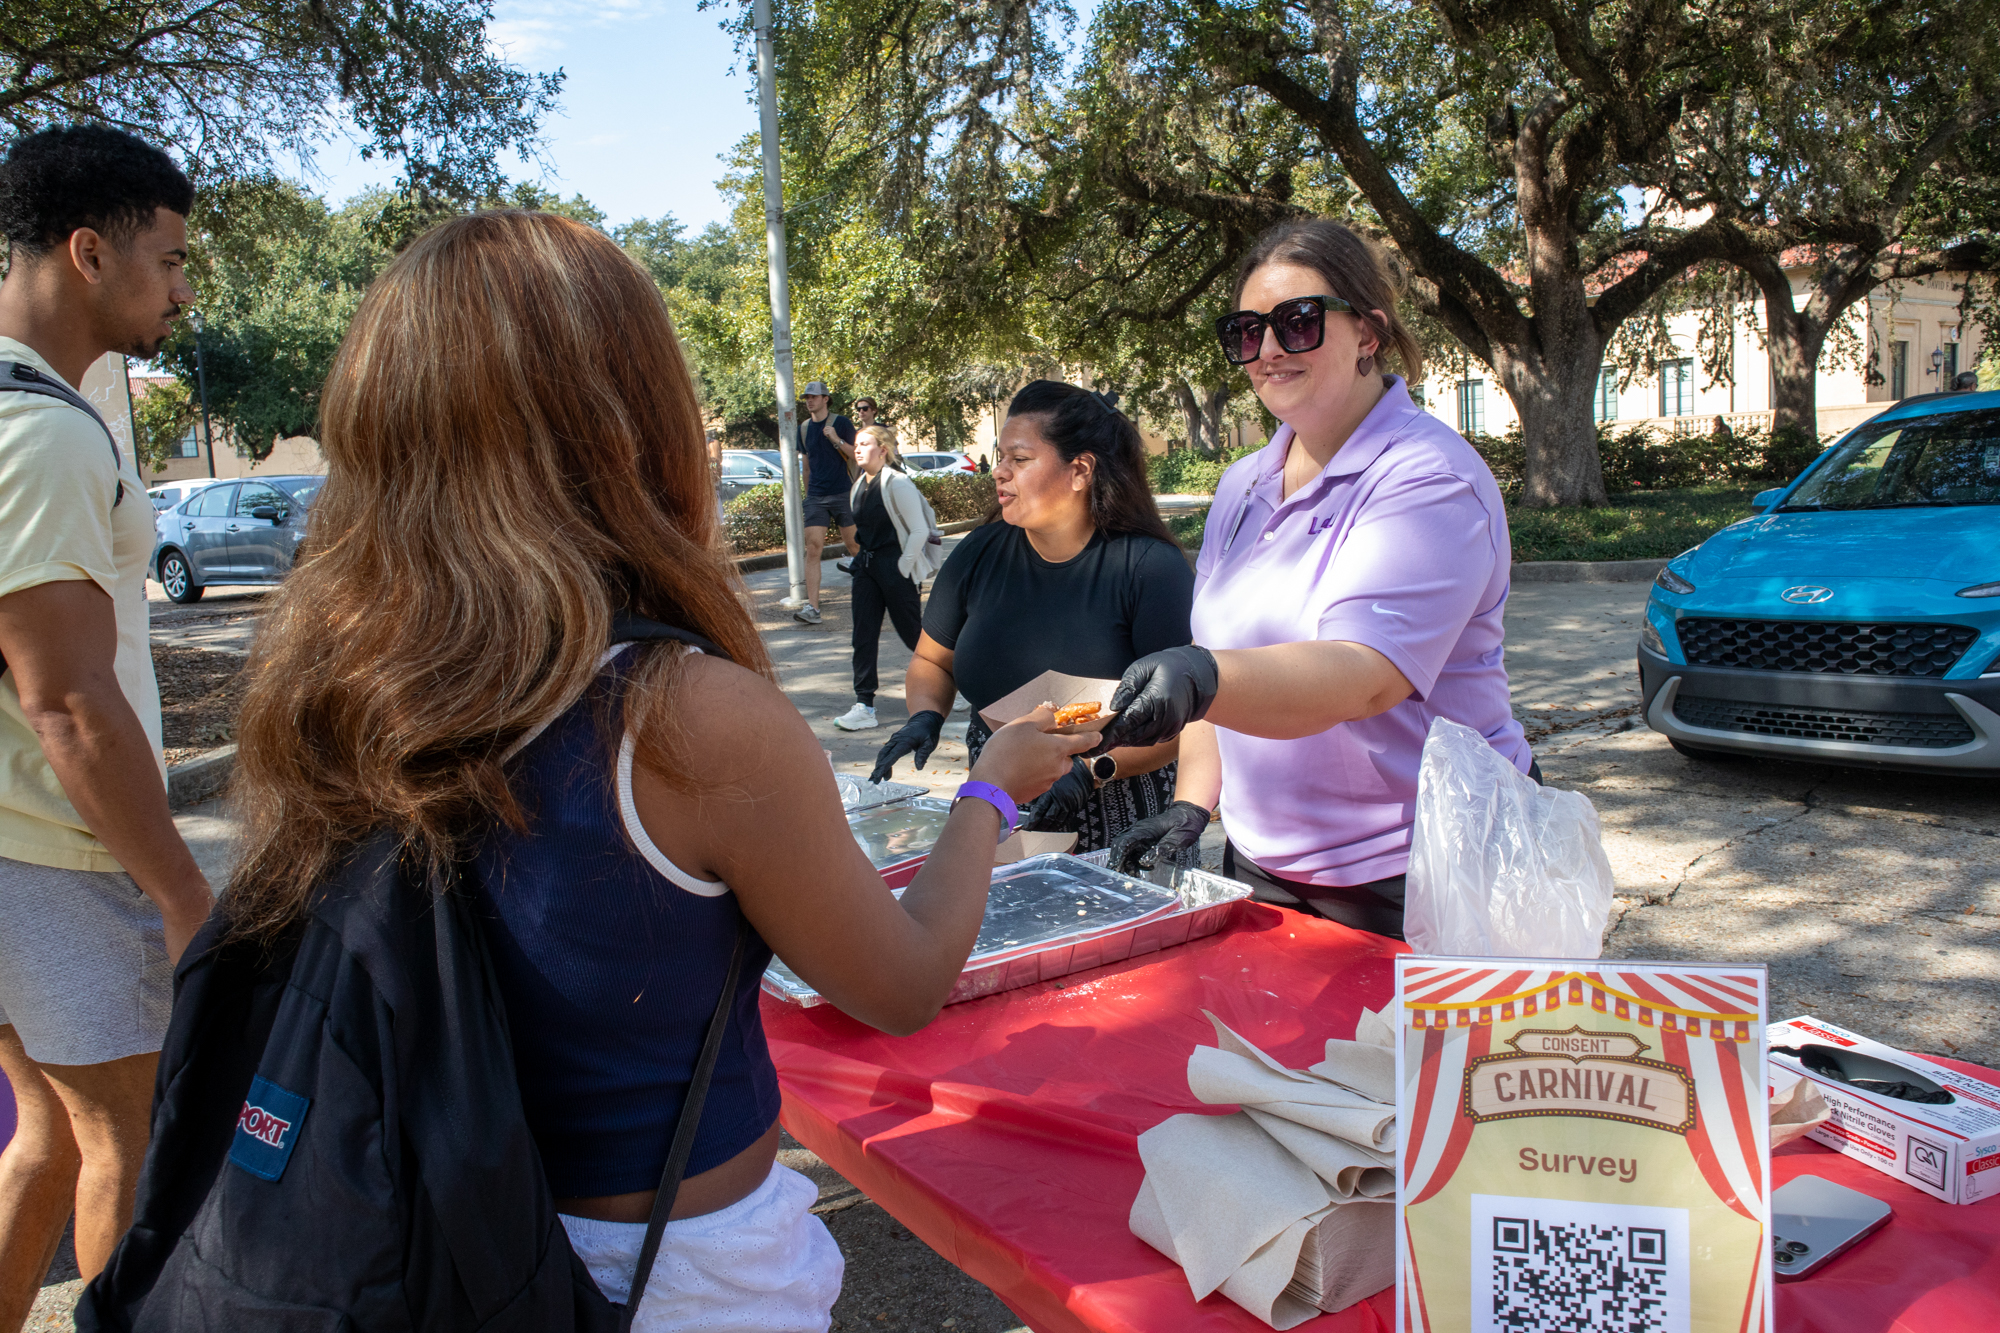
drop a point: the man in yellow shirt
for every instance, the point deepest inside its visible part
(98, 894)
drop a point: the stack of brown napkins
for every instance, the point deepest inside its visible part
(1287, 1206)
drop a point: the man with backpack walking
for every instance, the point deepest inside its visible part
(98, 893)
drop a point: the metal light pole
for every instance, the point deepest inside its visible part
(201, 381)
(781, 307)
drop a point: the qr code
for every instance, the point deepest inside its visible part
(1555, 1266)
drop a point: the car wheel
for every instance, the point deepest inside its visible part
(1706, 755)
(178, 579)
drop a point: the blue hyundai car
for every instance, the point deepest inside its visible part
(1855, 618)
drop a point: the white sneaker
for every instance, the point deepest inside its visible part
(807, 613)
(858, 718)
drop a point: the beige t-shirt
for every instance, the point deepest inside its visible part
(57, 482)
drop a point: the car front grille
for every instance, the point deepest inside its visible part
(1826, 648)
(1918, 731)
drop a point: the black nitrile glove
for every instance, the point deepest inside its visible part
(918, 738)
(1160, 839)
(1158, 696)
(1056, 810)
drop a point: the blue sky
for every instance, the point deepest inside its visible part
(648, 105)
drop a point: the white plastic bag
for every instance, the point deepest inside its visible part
(1501, 867)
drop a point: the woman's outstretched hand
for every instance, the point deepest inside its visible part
(1158, 696)
(1027, 757)
(917, 739)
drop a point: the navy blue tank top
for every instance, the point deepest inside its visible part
(609, 959)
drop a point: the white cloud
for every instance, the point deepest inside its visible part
(525, 30)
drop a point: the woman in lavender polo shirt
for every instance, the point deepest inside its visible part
(1350, 589)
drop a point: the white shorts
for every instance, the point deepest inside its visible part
(764, 1264)
(84, 977)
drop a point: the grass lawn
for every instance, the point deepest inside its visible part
(1645, 525)
(1640, 526)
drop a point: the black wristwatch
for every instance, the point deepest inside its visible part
(1103, 769)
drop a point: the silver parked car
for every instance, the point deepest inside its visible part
(232, 533)
(742, 469)
(939, 463)
(169, 494)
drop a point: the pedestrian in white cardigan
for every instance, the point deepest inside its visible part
(900, 548)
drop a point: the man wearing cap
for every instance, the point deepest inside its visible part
(827, 443)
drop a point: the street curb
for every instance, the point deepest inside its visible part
(1587, 571)
(197, 779)
(752, 564)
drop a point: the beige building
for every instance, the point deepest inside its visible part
(296, 456)
(1912, 335)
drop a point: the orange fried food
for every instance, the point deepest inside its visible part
(1071, 714)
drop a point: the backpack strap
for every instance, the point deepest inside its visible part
(20, 377)
(628, 628)
(684, 1130)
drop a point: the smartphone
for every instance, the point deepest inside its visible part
(1813, 1219)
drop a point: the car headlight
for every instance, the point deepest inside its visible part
(1649, 638)
(1981, 590)
(1672, 582)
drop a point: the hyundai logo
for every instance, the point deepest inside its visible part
(1807, 594)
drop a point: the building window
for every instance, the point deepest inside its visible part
(1604, 404)
(1472, 407)
(1949, 370)
(1899, 370)
(1677, 388)
(191, 443)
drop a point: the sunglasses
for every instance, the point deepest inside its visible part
(864, 407)
(1300, 324)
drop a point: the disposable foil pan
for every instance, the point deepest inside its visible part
(857, 794)
(897, 838)
(1049, 916)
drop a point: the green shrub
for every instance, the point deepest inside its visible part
(1184, 472)
(755, 520)
(958, 497)
(1638, 459)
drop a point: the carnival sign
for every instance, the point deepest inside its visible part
(1581, 1142)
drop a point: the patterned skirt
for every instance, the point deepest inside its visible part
(1113, 808)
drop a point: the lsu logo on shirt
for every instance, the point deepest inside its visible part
(267, 1129)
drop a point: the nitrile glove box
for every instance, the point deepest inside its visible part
(1947, 1149)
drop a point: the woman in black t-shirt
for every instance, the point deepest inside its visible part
(1078, 576)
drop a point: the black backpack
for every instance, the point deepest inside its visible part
(20, 377)
(338, 1139)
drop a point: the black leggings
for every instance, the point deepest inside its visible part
(879, 586)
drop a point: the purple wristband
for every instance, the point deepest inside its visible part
(1010, 814)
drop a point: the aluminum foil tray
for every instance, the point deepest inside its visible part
(1049, 916)
(857, 794)
(897, 837)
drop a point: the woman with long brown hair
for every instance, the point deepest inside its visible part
(515, 457)
(1073, 571)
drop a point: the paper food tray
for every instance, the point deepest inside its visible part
(1051, 915)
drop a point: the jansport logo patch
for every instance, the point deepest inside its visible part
(261, 1125)
(267, 1129)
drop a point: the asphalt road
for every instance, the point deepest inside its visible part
(1874, 898)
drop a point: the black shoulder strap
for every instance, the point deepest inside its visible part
(684, 1131)
(20, 377)
(628, 628)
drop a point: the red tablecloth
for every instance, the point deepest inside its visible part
(1004, 1134)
